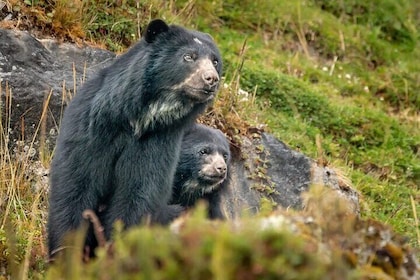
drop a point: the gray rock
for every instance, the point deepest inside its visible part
(265, 167)
(33, 68)
(284, 176)
(238, 197)
(289, 170)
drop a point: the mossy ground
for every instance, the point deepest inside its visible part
(343, 72)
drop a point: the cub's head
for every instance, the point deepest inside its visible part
(204, 162)
(183, 61)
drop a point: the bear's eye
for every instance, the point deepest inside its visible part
(225, 156)
(189, 57)
(215, 63)
(204, 151)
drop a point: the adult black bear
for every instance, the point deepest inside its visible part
(203, 169)
(121, 135)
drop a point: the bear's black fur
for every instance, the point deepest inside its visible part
(121, 135)
(203, 169)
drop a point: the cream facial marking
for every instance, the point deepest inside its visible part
(204, 65)
(198, 41)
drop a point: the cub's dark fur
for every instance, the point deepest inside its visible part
(203, 168)
(121, 134)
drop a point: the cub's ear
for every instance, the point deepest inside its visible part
(154, 28)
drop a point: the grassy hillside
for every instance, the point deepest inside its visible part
(338, 80)
(343, 71)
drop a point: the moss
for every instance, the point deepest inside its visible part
(205, 250)
(322, 242)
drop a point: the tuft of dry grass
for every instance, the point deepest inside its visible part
(235, 110)
(67, 18)
(416, 219)
(23, 194)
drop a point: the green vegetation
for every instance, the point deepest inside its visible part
(346, 72)
(203, 250)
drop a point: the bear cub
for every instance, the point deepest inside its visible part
(120, 137)
(203, 169)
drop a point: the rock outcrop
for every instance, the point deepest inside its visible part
(32, 68)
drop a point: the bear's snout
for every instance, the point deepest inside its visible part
(220, 167)
(211, 78)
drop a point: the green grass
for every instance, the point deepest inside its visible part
(345, 72)
(352, 79)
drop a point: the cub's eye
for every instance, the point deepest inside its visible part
(225, 156)
(189, 57)
(215, 62)
(204, 151)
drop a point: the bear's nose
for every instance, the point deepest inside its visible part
(211, 78)
(221, 169)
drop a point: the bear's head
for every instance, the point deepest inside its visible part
(204, 160)
(183, 61)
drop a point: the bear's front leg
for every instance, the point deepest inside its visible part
(143, 181)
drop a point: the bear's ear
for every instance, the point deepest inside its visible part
(154, 28)
(209, 36)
